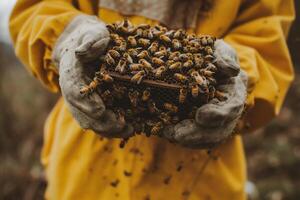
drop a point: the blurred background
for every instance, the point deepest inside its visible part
(273, 152)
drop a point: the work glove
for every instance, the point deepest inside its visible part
(216, 120)
(82, 42)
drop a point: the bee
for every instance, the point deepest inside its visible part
(209, 50)
(176, 44)
(210, 41)
(191, 36)
(143, 26)
(121, 67)
(133, 97)
(195, 43)
(206, 72)
(165, 38)
(122, 47)
(128, 58)
(180, 77)
(183, 57)
(185, 41)
(91, 87)
(156, 128)
(114, 36)
(139, 32)
(143, 55)
(136, 67)
(204, 41)
(103, 75)
(118, 41)
(212, 80)
(132, 52)
(157, 61)
(211, 67)
(161, 53)
(144, 42)
(146, 64)
(182, 95)
(198, 60)
(209, 58)
(111, 27)
(153, 47)
(186, 49)
(148, 34)
(121, 116)
(109, 59)
(170, 62)
(114, 54)
(188, 64)
(152, 107)
(221, 96)
(174, 54)
(146, 94)
(162, 48)
(195, 90)
(161, 28)
(170, 33)
(159, 71)
(156, 33)
(170, 107)
(165, 118)
(179, 34)
(138, 77)
(197, 77)
(175, 66)
(132, 41)
(212, 91)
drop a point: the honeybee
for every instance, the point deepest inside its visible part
(209, 58)
(114, 54)
(195, 90)
(191, 36)
(176, 44)
(209, 50)
(144, 42)
(138, 77)
(180, 77)
(132, 52)
(188, 64)
(175, 66)
(165, 38)
(170, 107)
(170, 33)
(162, 48)
(174, 54)
(212, 80)
(133, 97)
(109, 59)
(156, 128)
(146, 64)
(139, 32)
(157, 61)
(182, 95)
(183, 57)
(179, 34)
(156, 33)
(211, 67)
(143, 55)
(146, 94)
(128, 58)
(210, 41)
(118, 41)
(123, 46)
(103, 75)
(221, 96)
(152, 107)
(195, 43)
(91, 87)
(148, 34)
(159, 71)
(114, 36)
(161, 53)
(132, 41)
(136, 67)
(165, 117)
(204, 41)
(121, 67)
(212, 91)
(206, 72)
(198, 60)
(111, 27)
(153, 47)
(197, 77)
(143, 26)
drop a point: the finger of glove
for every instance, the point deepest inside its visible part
(226, 59)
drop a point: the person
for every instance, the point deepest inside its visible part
(55, 38)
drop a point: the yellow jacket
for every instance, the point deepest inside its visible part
(81, 165)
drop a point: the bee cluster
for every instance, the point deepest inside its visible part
(152, 77)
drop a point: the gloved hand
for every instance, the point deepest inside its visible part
(84, 40)
(215, 121)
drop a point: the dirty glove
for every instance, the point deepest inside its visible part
(215, 121)
(83, 41)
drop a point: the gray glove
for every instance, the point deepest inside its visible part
(84, 40)
(215, 121)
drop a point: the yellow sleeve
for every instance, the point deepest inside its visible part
(35, 26)
(259, 36)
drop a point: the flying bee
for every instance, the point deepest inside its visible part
(152, 107)
(146, 64)
(91, 87)
(182, 95)
(171, 107)
(157, 61)
(176, 44)
(188, 64)
(103, 75)
(109, 59)
(159, 71)
(146, 94)
(143, 55)
(144, 42)
(153, 47)
(132, 41)
(180, 77)
(195, 90)
(174, 54)
(136, 67)
(175, 66)
(165, 118)
(197, 77)
(161, 53)
(165, 38)
(156, 128)
(128, 58)
(121, 67)
(221, 96)
(138, 77)
(133, 97)
(114, 54)
(209, 50)
(132, 52)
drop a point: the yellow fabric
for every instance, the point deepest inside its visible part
(81, 165)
